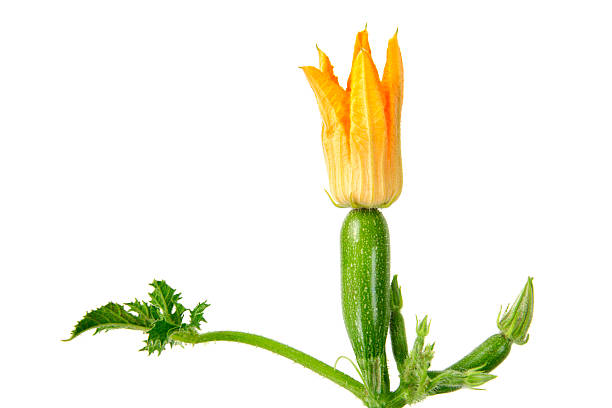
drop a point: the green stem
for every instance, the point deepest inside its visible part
(305, 360)
(396, 400)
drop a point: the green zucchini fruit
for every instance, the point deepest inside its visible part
(488, 355)
(364, 242)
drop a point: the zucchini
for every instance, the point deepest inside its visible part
(488, 355)
(364, 243)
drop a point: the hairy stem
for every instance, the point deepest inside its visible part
(305, 360)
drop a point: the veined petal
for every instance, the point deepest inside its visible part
(331, 98)
(334, 107)
(337, 162)
(325, 65)
(368, 133)
(393, 90)
(361, 43)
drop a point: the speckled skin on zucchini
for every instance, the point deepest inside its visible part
(364, 242)
(488, 355)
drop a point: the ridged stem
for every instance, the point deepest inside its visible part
(305, 360)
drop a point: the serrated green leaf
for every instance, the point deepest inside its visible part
(159, 336)
(166, 298)
(159, 319)
(144, 310)
(177, 316)
(107, 317)
(196, 316)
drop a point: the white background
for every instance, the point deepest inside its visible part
(179, 140)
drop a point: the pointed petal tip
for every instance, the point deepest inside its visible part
(321, 52)
(363, 34)
(308, 70)
(393, 40)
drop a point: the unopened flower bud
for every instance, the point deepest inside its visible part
(516, 319)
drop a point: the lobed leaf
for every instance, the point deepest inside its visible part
(197, 315)
(159, 336)
(165, 297)
(108, 317)
(143, 310)
(160, 318)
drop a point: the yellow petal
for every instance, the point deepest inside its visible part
(393, 90)
(334, 107)
(368, 133)
(331, 98)
(325, 65)
(361, 43)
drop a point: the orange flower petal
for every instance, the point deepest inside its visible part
(332, 99)
(325, 65)
(368, 133)
(393, 90)
(361, 43)
(334, 107)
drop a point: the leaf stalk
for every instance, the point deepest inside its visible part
(305, 360)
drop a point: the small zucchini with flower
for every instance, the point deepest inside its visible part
(361, 143)
(417, 381)
(513, 329)
(364, 259)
